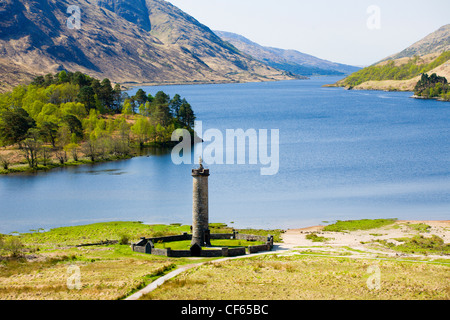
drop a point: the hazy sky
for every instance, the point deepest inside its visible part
(332, 30)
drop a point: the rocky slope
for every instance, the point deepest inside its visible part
(436, 42)
(427, 49)
(128, 41)
(289, 60)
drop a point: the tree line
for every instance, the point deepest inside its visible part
(66, 114)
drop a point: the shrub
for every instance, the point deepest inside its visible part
(124, 239)
(12, 245)
(315, 238)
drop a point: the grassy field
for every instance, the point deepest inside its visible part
(105, 273)
(127, 231)
(38, 264)
(299, 277)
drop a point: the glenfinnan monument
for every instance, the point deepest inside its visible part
(200, 218)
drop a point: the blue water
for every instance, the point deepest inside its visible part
(342, 155)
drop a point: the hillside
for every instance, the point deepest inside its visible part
(402, 71)
(289, 60)
(436, 42)
(127, 41)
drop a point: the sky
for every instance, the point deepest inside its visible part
(355, 32)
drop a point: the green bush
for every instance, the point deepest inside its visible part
(421, 244)
(124, 239)
(12, 245)
(315, 238)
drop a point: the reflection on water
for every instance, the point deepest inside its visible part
(115, 172)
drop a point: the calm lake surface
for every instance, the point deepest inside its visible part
(343, 155)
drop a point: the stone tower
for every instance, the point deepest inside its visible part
(200, 215)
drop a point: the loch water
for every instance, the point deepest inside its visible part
(342, 155)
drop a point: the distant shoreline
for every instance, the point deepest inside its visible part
(131, 85)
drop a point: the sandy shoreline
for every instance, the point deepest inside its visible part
(362, 239)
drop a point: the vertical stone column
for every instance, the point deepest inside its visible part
(200, 214)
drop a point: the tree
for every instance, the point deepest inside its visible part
(49, 132)
(5, 160)
(14, 125)
(175, 105)
(186, 114)
(161, 98)
(86, 96)
(38, 81)
(80, 79)
(106, 94)
(45, 151)
(127, 108)
(161, 114)
(124, 129)
(96, 86)
(160, 109)
(141, 130)
(31, 147)
(72, 148)
(74, 124)
(62, 77)
(117, 98)
(90, 147)
(48, 79)
(140, 97)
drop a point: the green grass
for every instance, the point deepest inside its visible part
(93, 233)
(122, 231)
(353, 225)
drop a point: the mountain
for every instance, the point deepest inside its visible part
(402, 71)
(289, 60)
(127, 41)
(436, 42)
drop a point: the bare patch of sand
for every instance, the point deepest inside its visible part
(363, 239)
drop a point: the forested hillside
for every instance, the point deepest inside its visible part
(72, 115)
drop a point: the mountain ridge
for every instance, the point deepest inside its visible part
(435, 42)
(117, 41)
(286, 59)
(402, 71)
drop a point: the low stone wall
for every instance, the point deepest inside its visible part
(250, 237)
(161, 252)
(179, 253)
(146, 245)
(220, 236)
(233, 252)
(211, 253)
(262, 247)
(181, 237)
(107, 242)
